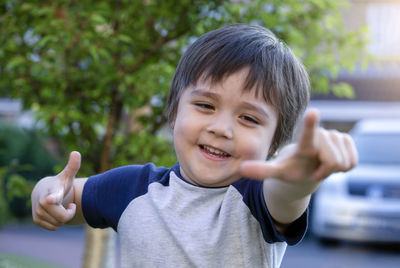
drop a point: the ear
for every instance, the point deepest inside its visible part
(172, 124)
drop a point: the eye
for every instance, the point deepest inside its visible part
(250, 119)
(205, 106)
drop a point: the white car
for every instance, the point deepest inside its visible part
(364, 203)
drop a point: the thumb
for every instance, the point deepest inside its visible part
(70, 170)
(260, 170)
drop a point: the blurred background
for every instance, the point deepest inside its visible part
(93, 76)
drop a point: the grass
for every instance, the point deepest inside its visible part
(16, 261)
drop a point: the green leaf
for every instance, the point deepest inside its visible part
(125, 38)
(98, 19)
(18, 187)
(343, 90)
(15, 62)
(45, 40)
(93, 52)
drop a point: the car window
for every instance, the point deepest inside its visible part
(378, 148)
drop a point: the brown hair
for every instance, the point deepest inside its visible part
(274, 71)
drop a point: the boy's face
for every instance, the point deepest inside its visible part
(219, 126)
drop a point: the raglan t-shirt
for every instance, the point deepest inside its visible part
(164, 221)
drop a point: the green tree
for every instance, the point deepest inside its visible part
(97, 73)
(23, 159)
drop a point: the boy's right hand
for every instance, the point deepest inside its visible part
(53, 197)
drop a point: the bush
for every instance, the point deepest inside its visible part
(23, 161)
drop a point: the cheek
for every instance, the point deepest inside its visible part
(184, 128)
(254, 148)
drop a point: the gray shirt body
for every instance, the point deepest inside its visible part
(172, 223)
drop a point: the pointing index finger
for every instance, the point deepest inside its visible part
(308, 135)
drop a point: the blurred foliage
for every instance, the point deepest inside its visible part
(97, 73)
(24, 152)
(3, 202)
(23, 160)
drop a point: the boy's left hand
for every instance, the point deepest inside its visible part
(318, 153)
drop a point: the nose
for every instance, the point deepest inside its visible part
(221, 126)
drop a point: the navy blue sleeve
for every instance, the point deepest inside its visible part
(253, 197)
(105, 196)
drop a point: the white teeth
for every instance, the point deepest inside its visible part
(215, 151)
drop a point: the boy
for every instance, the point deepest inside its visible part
(234, 100)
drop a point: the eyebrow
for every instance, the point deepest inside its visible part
(205, 93)
(244, 104)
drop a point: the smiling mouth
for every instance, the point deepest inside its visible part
(213, 151)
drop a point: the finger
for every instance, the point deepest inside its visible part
(61, 214)
(308, 135)
(56, 210)
(322, 172)
(43, 215)
(352, 150)
(45, 209)
(259, 170)
(70, 211)
(55, 198)
(46, 225)
(329, 158)
(72, 167)
(338, 140)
